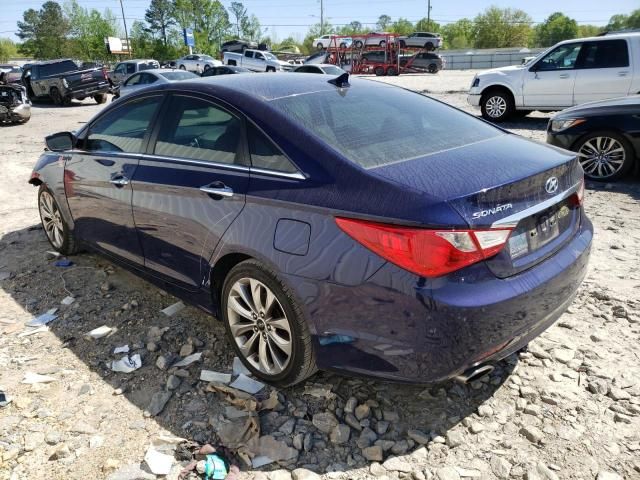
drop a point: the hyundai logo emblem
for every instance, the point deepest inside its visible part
(551, 186)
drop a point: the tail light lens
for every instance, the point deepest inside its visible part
(426, 252)
(577, 199)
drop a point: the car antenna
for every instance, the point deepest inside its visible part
(342, 81)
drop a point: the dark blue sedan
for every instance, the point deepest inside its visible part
(358, 228)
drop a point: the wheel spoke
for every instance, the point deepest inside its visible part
(263, 355)
(238, 308)
(241, 328)
(282, 343)
(256, 288)
(248, 347)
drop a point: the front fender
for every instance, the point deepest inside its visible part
(50, 171)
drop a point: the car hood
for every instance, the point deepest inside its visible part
(602, 106)
(502, 70)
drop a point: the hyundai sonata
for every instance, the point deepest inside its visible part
(354, 227)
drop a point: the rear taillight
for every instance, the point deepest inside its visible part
(577, 199)
(426, 252)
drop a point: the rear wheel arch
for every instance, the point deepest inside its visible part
(219, 273)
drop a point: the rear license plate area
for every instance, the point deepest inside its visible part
(538, 230)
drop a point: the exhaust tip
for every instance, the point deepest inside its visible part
(474, 373)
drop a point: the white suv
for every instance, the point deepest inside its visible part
(429, 41)
(569, 73)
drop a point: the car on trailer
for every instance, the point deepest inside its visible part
(428, 41)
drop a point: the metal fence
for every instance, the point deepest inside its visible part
(465, 60)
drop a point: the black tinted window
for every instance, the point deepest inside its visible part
(199, 130)
(122, 129)
(264, 154)
(131, 68)
(57, 68)
(605, 54)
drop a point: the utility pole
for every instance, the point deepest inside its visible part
(428, 15)
(321, 17)
(126, 34)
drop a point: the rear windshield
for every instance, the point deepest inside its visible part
(379, 126)
(57, 68)
(175, 76)
(333, 70)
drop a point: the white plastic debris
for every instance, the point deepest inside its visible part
(211, 376)
(100, 332)
(173, 309)
(238, 367)
(159, 463)
(67, 300)
(127, 364)
(247, 384)
(260, 461)
(31, 378)
(123, 349)
(188, 360)
(43, 319)
(53, 254)
(33, 331)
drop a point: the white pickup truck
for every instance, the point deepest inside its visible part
(569, 73)
(256, 60)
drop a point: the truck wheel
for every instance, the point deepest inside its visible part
(392, 72)
(271, 69)
(433, 68)
(379, 71)
(66, 101)
(496, 106)
(100, 98)
(319, 46)
(182, 67)
(55, 95)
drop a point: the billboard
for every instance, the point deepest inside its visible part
(189, 39)
(116, 46)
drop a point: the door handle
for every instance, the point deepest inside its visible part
(217, 188)
(564, 75)
(623, 74)
(119, 181)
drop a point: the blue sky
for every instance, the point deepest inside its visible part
(285, 17)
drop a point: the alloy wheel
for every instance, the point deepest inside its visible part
(259, 326)
(51, 220)
(496, 106)
(602, 157)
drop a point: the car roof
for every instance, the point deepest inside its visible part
(51, 62)
(610, 36)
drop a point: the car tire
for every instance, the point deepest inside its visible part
(55, 95)
(271, 69)
(379, 71)
(206, 67)
(392, 71)
(429, 46)
(403, 44)
(358, 44)
(433, 68)
(521, 113)
(100, 98)
(496, 106)
(57, 230)
(618, 155)
(382, 43)
(287, 352)
(319, 46)
(343, 45)
(182, 67)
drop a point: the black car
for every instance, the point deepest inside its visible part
(224, 70)
(423, 61)
(604, 133)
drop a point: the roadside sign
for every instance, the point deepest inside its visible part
(189, 39)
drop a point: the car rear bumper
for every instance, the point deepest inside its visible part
(401, 327)
(82, 93)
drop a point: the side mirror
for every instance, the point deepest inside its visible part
(534, 67)
(60, 142)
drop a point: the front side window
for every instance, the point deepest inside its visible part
(248, 54)
(562, 58)
(199, 130)
(259, 56)
(122, 129)
(605, 54)
(264, 154)
(120, 68)
(133, 80)
(146, 79)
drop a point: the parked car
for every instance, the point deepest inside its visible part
(316, 58)
(197, 63)
(325, 69)
(431, 62)
(429, 41)
(62, 81)
(604, 133)
(257, 61)
(12, 73)
(373, 38)
(237, 46)
(327, 41)
(224, 70)
(314, 220)
(124, 70)
(570, 73)
(151, 77)
(15, 106)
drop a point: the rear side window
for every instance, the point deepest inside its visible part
(123, 129)
(379, 125)
(264, 154)
(605, 54)
(199, 130)
(131, 68)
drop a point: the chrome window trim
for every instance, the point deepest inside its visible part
(512, 220)
(275, 173)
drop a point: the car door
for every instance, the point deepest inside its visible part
(131, 84)
(98, 175)
(603, 71)
(189, 187)
(118, 73)
(549, 82)
(259, 61)
(248, 61)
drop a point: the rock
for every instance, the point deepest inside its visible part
(288, 427)
(96, 441)
(131, 472)
(340, 434)
(33, 440)
(82, 427)
(391, 416)
(304, 474)
(373, 454)
(454, 439)
(53, 437)
(400, 448)
(618, 418)
(485, 411)
(325, 421)
(619, 394)
(298, 441)
(396, 464)
(173, 382)
(544, 472)
(351, 405)
(106, 287)
(528, 393)
(467, 473)
(307, 444)
(163, 362)
(418, 437)
(61, 451)
(377, 470)
(362, 411)
(476, 427)
(158, 402)
(201, 467)
(562, 355)
(599, 386)
(110, 465)
(500, 467)
(608, 476)
(533, 409)
(186, 350)
(619, 311)
(152, 346)
(381, 427)
(366, 438)
(351, 420)
(447, 473)
(10, 454)
(533, 434)
(279, 475)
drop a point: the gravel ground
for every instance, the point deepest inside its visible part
(568, 408)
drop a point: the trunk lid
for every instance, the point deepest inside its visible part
(503, 181)
(85, 79)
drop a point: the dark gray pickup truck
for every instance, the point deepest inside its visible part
(62, 81)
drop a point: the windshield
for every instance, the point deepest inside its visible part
(176, 76)
(207, 57)
(379, 126)
(331, 70)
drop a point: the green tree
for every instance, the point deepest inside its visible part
(87, 31)
(402, 26)
(459, 34)
(183, 13)
(588, 30)
(352, 28)
(313, 33)
(251, 28)
(624, 22)
(383, 22)
(554, 29)
(160, 18)
(501, 27)
(425, 25)
(44, 32)
(214, 22)
(8, 49)
(240, 16)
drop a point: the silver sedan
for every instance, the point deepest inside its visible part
(152, 77)
(197, 63)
